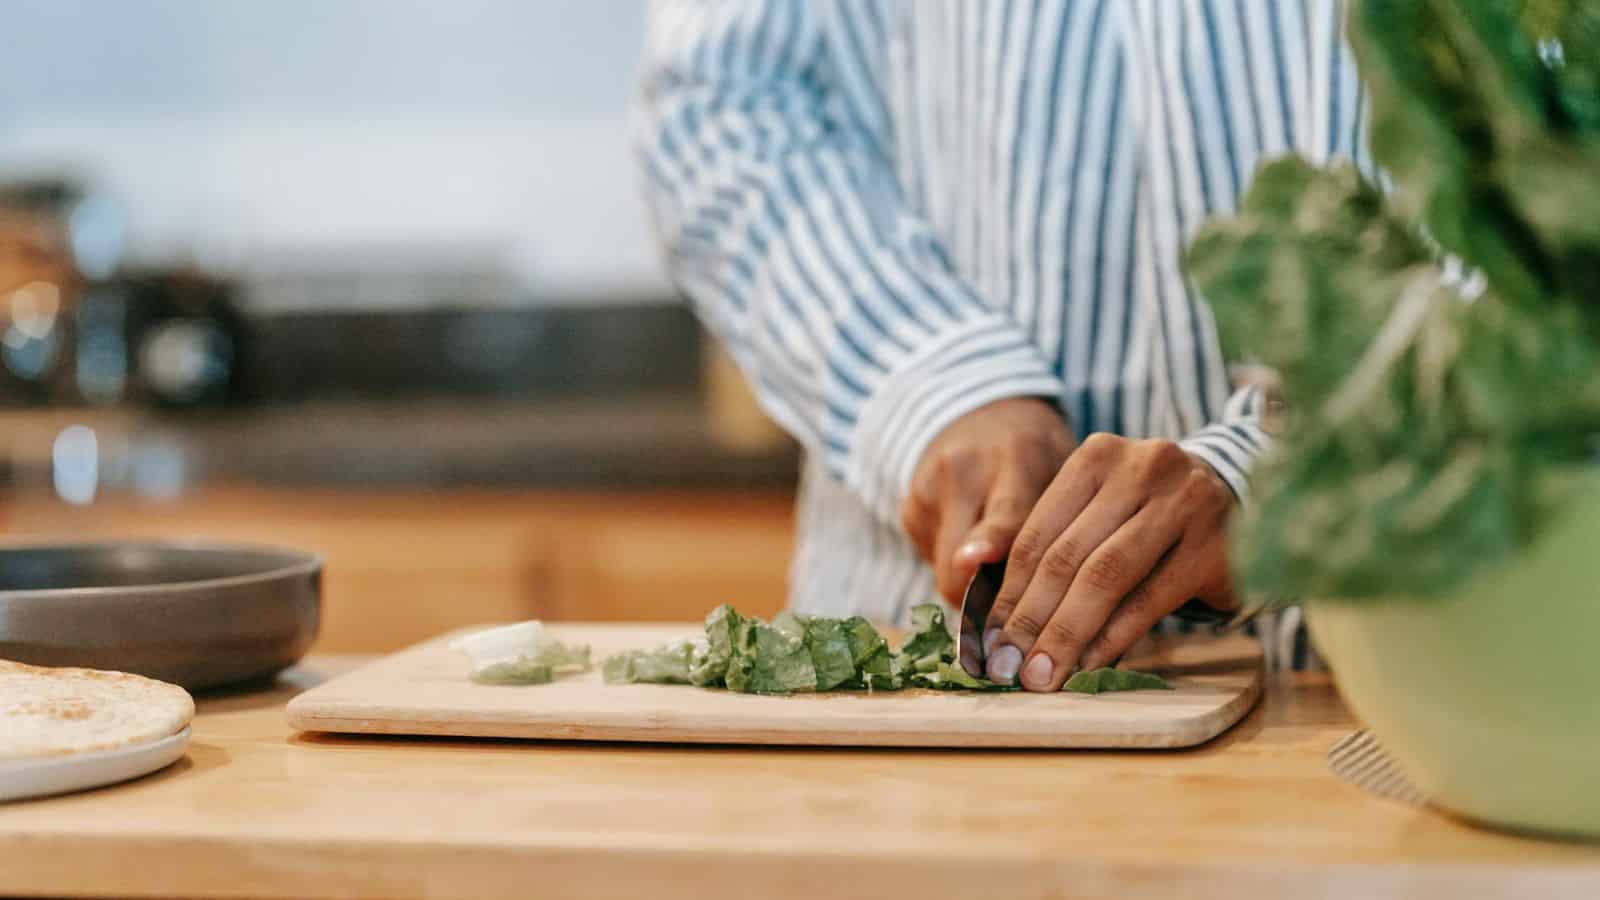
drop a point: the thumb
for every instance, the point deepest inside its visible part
(991, 538)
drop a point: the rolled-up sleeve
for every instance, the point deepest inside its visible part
(784, 226)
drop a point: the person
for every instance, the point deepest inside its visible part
(943, 238)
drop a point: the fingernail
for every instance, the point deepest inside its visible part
(990, 638)
(1037, 675)
(1003, 664)
(974, 550)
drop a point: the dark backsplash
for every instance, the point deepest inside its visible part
(512, 353)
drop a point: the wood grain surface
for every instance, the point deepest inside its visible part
(425, 691)
(258, 811)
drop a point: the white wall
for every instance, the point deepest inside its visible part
(235, 131)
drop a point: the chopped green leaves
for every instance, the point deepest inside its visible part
(671, 664)
(947, 676)
(803, 654)
(517, 671)
(929, 636)
(791, 655)
(520, 654)
(767, 660)
(710, 667)
(831, 657)
(1099, 681)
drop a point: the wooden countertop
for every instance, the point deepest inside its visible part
(258, 811)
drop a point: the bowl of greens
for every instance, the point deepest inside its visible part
(1432, 496)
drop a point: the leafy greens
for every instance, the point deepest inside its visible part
(537, 662)
(801, 654)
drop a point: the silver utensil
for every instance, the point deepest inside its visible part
(198, 615)
(975, 605)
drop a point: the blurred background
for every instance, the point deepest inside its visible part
(372, 278)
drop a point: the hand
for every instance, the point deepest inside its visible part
(1129, 531)
(976, 483)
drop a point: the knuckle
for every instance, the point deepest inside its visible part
(1108, 569)
(1100, 445)
(1000, 613)
(1024, 625)
(1156, 458)
(1168, 451)
(1027, 548)
(1199, 486)
(1061, 562)
(1065, 633)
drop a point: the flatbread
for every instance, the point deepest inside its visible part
(64, 712)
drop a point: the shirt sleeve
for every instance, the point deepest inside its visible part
(784, 226)
(1314, 77)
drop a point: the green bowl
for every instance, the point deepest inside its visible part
(1488, 699)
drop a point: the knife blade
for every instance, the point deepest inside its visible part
(975, 605)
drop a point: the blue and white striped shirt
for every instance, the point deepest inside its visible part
(895, 211)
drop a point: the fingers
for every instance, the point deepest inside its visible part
(1196, 567)
(992, 462)
(1167, 588)
(1053, 626)
(1074, 487)
(1126, 532)
(1056, 569)
(1006, 508)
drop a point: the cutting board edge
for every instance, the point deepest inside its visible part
(363, 701)
(1189, 731)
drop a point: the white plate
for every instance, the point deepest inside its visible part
(22, 778)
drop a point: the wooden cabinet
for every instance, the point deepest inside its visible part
(405, 564)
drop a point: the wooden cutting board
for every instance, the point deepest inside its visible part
(425, 691)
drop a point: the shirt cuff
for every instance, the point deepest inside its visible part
(967, 366)
(1230, 449)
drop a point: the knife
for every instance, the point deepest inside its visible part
(975, 605)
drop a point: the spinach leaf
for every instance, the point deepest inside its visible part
(517, 671)
(798, 653)
(670, 664)
(769, 661)
(1100, 681)
(929, 636)
(710, 668)
(540, 665)
(949, 676)
(828, 641)
(870, 656)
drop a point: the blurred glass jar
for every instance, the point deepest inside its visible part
(77, 328)
(39, 288)
(187, 340)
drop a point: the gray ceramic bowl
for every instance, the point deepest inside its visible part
(199, 615)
